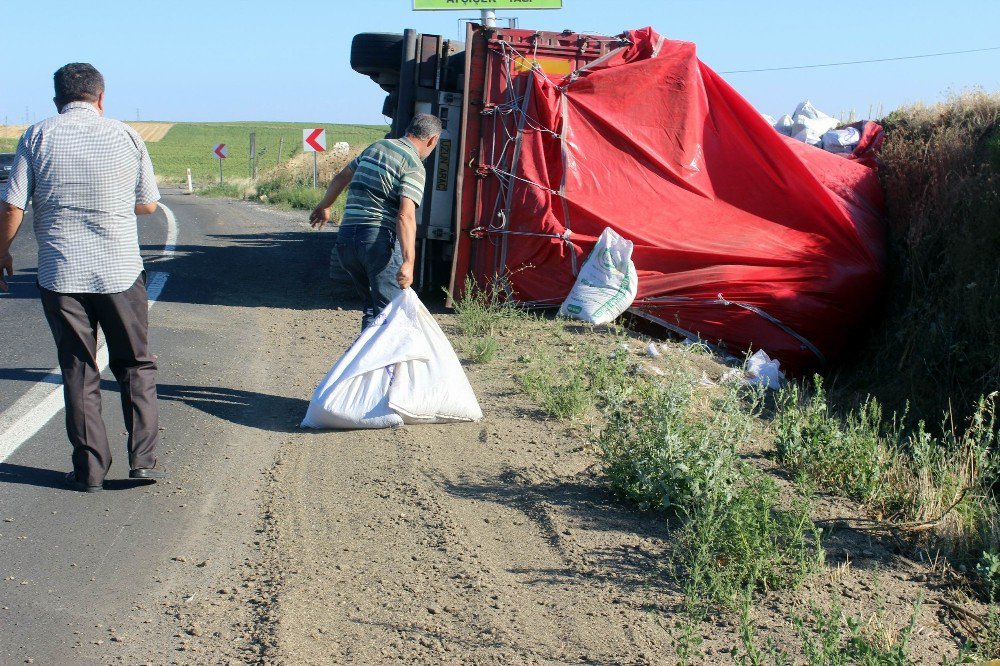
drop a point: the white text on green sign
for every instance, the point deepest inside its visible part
(486, 4)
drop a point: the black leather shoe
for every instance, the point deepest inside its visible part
(80, 486)
(151, 473)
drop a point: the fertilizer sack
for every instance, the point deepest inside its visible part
(401, 370)
(607, 283)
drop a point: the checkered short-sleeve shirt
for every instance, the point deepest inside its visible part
(84, 175)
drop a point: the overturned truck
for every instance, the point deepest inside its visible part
(742, 237)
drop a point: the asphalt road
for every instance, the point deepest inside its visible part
(85, 578)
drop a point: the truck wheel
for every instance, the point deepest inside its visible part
(376, 52)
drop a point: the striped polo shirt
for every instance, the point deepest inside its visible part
(384, 172)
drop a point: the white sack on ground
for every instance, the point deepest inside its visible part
(607, 283)
(402, 369)
(842, 140)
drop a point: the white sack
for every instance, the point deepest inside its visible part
(809, 124)
(842, 140)
(807, 110)
(607, 283)
(784, 125)
(402, 369)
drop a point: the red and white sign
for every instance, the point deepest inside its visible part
(220, 151)
(314, 140)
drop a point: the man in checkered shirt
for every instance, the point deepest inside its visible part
(87, 177)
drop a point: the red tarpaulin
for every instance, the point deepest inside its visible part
(742, 236)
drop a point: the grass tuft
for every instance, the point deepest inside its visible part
(226, 190)
(486, 311)
(944, 482)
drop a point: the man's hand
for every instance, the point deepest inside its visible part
(405, 275)
(6, 266)
(319, 217)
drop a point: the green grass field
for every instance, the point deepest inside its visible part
(189, 145)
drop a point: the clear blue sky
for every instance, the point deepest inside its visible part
(250, 60)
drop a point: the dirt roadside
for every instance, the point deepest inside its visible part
(491, 543)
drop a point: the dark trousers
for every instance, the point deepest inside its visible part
(371, 257)
(123, 317)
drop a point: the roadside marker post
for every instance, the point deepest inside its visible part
(253, 156)
(220, 152)
(190, 185)
(314, 141)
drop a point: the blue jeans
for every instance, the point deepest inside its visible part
(371, 257)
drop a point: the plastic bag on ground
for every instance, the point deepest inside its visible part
(607, 283)
(764, 371)
(401, 370)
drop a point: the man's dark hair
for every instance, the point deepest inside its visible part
(424, 126)
(77, 82)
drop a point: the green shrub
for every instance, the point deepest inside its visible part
(569, 391)
(666, 446)
(902, 474)
(661, 451)
(729, 546)
(825, 643)
(224, 190)
(853, 456)
(486, 310)
(484, 349)
(291, 194)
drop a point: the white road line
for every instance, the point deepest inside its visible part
(44, 400)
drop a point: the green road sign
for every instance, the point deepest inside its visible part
(486, 4)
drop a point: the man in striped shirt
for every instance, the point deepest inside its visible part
(376, 243)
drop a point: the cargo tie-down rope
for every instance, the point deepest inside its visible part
(510, 120)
